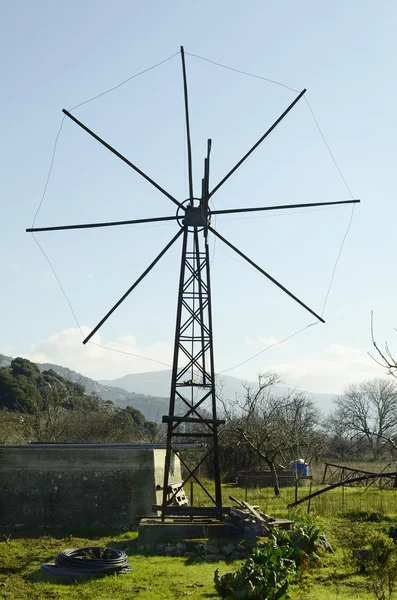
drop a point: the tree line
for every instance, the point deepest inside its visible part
(262, 429)
(45, 407)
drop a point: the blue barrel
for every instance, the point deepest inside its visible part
(302, 468)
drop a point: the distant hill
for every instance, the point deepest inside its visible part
(158, 383)
(5, 361)
(149, 392)
(152, 407)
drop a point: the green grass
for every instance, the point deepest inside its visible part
(152, 577)
(340, 500)
(166, 578)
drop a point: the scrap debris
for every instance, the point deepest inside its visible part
(250, 521)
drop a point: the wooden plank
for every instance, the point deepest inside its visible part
(254, 512)
(267, 517)
(236, 501)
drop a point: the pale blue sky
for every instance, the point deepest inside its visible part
(56, 55)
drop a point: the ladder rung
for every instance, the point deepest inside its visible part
(168, 419)
(195, 435)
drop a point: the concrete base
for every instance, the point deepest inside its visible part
(152, 531)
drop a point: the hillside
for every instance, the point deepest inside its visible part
(158, 383)
(5, 361)
(152, 407)
(149, 392)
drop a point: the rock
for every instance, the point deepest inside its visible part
(190, 554)
(235, 556)
(228, 549)
(215, 557)
(181, 547)
(363, 556)
(169, 549)
(211, 548)
(160, 548)
(200, 547)
(374, 517)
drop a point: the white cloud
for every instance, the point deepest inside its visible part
(14, 266)
(329, 371)
(117, 359)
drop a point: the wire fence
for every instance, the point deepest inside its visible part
(343, 499)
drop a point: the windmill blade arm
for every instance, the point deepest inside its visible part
(280, 207)
(264, 136)
(116, 153)
(188, 141)
(93, 225)
(251, 262)
(134, 285)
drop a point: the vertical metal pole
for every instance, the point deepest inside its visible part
(189, 147)
(217, 474)
(218, 490)
(309, 501)
(174, 373)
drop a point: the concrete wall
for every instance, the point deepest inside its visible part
(79, 484)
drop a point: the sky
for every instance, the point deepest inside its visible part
(56, 55)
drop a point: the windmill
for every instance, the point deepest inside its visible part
(193, 372)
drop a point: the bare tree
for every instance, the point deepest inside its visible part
(340, 441)
(370, 410)
(274, 428)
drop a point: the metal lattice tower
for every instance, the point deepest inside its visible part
(192, 409)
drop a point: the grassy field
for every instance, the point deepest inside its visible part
(343, 499)
(166, 578)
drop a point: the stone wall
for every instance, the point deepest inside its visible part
(69, 485)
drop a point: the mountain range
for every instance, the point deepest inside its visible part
(158, 383)
(149, 392)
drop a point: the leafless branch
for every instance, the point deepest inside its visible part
(388, 360)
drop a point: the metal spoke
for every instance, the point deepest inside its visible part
(264, 136)
(150, 267)
(129, 163)
(280, 207)
(93, 225)
(251, 262)
(189, 146)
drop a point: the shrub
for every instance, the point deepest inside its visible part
(304, 542)
(382, 569)
(263, 576)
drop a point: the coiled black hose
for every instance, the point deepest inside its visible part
(82, 563)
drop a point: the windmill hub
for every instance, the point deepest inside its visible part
(195, 215)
